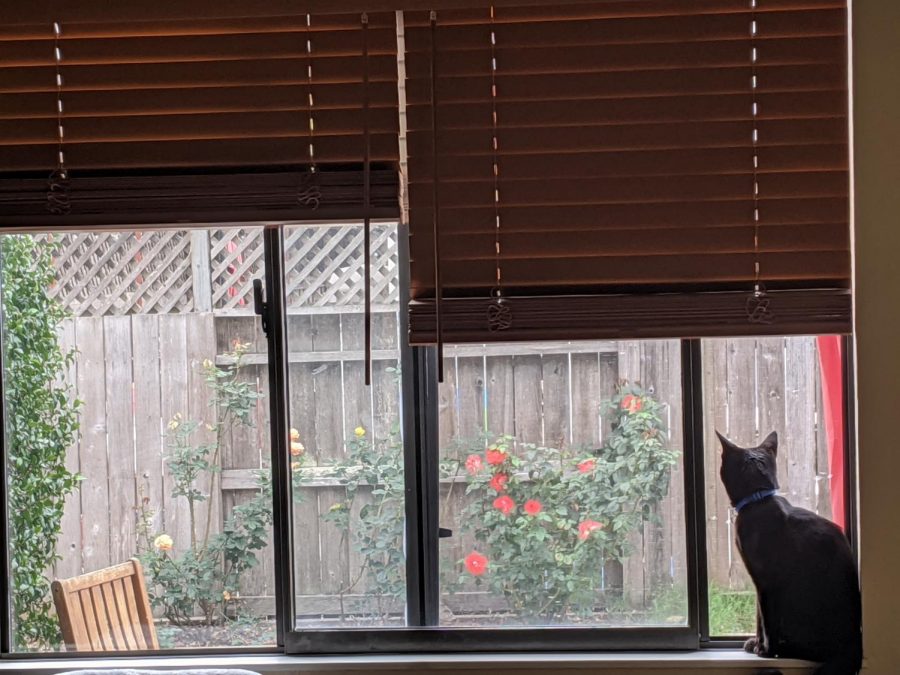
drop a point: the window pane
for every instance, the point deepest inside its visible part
(346, 450)
(562, 480)
(137, 426)
(751, 387)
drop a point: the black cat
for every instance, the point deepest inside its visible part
(808, 600)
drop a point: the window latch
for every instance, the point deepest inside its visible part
(259, 304)
(444, 532)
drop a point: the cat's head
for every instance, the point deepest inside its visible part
(748, 470)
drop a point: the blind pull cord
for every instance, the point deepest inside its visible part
(435, 215)
(309, 193)
(758, 304)
(499, 313)
(58, 198)
(367, 234)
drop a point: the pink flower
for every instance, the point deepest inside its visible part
(498, 482)
(585, 527)
(504, 504)
(476, 564)
(533, 507)
(495, 456)
(586, 466)
(474, 464)
(632, 403)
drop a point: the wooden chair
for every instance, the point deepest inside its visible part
(105, 611)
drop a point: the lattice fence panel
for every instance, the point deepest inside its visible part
(160, 271)
(123, 272)
(324, 266)
(236, 258)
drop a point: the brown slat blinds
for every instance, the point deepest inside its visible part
(199, 96)
(625, 161)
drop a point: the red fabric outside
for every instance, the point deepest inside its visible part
(830, 363)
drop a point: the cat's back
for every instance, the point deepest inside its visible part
(804, 562)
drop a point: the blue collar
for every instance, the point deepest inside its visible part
(755, 497)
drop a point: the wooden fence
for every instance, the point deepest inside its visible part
(134, 373)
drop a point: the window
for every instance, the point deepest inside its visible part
(256, 401)
(542, 486)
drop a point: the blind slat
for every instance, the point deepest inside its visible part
(559, 219)
(612, 84)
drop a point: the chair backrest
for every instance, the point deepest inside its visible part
(105, 611)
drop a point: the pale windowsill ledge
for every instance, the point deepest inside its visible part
(593, 661)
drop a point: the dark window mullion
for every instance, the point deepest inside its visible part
(694, 486)
(418, 400)
(275, 316)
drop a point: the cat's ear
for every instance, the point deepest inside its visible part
(771, 444)
(727, 446)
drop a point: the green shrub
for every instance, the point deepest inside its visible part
(204, 580)
(546, 521)
(41, 424)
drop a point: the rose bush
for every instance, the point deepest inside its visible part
(546, 521)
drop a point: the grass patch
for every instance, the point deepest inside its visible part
(731, 612)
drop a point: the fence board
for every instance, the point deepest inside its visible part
(120, 437)
(586, 395)
(248, 447)
(526, 399)
(95, 512)
(471, 392)
(770, 393)
(715, 407)
(174, 401)
(328, 391)
(798, 441)
(500, 396)
(448, 409)
(556, 400)
(69, 544)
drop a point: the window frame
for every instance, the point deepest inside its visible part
(419, 416)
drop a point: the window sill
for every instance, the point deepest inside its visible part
(730, 661)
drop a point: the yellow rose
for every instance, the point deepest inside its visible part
(297, 448)
(163, 542)
(207, 364)
(226, 596)
(360, 432)
(173, 425)
(295, 435)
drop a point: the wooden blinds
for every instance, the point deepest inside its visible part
(201, 113)
(601, 167)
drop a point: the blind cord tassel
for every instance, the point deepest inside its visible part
(367, 198)
(439, 326)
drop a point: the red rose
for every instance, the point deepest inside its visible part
(632, 403)
(498, 482)
(495, 456)
(533, 507)
(476, 564)
(586, 466)
(474, 464)
(585, 528)
(504, 504)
